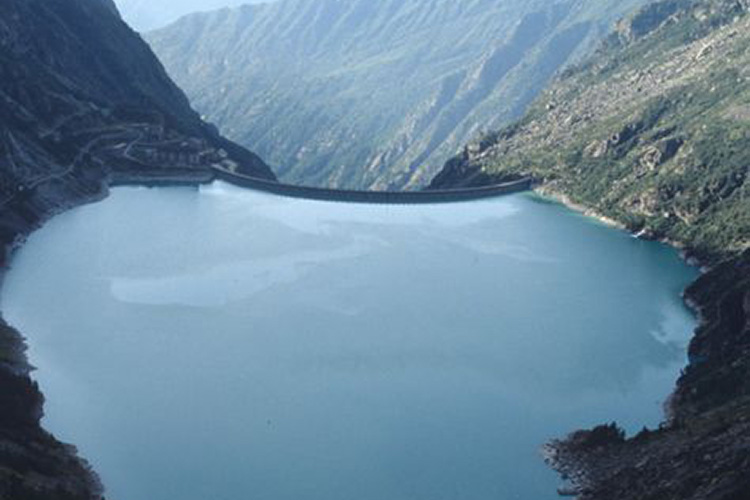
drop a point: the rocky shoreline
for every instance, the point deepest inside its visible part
(600, 463)
(34, 465)
(84, 105)
(646, 134)
(702, 450)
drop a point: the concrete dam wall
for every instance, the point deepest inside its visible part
(382, 197)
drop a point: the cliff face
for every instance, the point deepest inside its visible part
(373, 93)
(653, 132)
(83, 104)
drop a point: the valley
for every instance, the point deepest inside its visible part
(373, 95)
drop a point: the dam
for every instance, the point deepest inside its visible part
(373, 197)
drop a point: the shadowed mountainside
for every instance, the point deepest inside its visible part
(85, 102)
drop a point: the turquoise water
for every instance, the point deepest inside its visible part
(223, 344)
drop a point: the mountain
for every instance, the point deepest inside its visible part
(84, 104)
(652, 133)
(373, 93)
(148, 15)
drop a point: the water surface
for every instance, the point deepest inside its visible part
(223, 344)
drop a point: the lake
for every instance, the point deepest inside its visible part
(225, 344)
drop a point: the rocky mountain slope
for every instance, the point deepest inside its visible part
(653, 133)
(373, 93)
(83, 104)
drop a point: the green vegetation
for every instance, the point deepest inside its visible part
(653, 131)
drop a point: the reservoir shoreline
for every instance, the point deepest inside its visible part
(702, 434)
(21, 398)
(18, 367)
